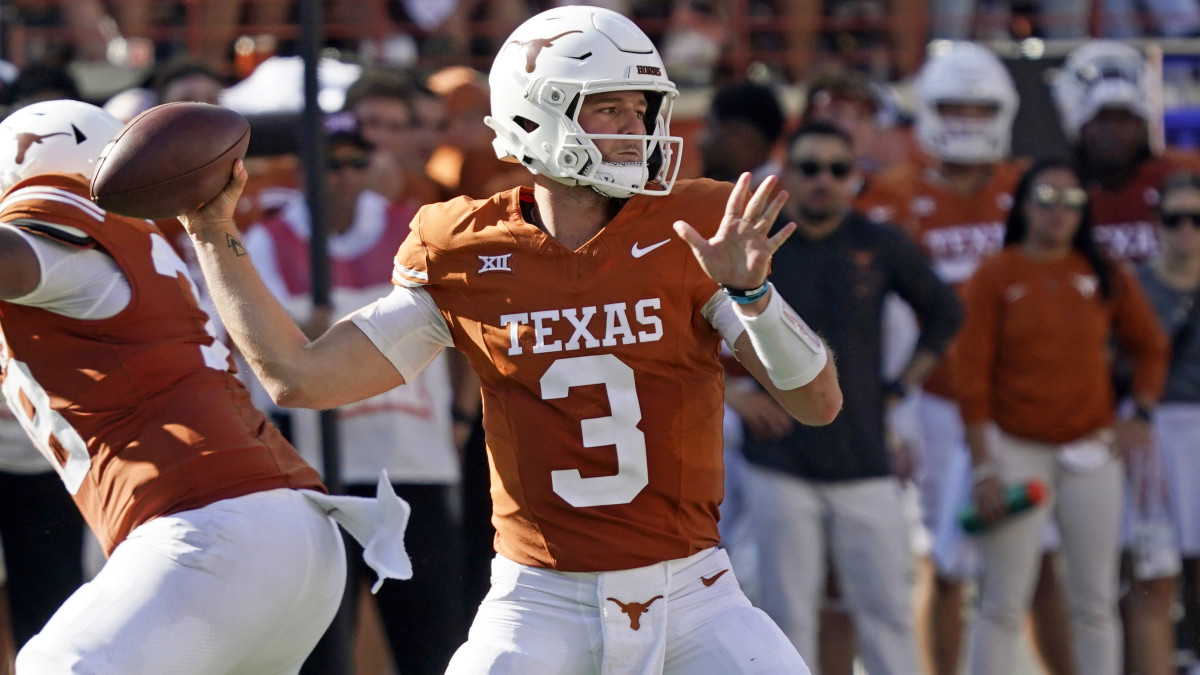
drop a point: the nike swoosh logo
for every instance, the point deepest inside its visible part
(709, 581)
(639, 251)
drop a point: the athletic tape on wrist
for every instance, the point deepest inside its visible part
(792, 353)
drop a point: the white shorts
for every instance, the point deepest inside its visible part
(568, 623)
(244, 585)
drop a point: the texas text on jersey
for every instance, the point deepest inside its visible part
(602, 410)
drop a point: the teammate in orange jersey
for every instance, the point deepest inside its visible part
(1104, 96)
(221, 556)
(956, 202)
(594, 329)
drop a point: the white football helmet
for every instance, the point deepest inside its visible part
(61, 136)
(965, 72)
(1101, 74)
(539, 79)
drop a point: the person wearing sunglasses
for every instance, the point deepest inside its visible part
(409, 431)
(1037, 400)
(831, 492)
(1172, 281)
(954, 201)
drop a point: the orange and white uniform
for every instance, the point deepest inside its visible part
(602, 406)
(1123, 219)
(193, 495)
(957, 231)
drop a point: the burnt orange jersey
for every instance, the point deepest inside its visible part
(602, 389)
(140, 413)
(956, 230)
(1123, 219)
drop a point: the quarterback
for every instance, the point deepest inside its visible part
(592, 307)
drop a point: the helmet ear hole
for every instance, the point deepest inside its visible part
(527, 124)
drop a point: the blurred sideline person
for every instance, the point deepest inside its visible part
(594, 332)
(215, 529)
(741, 132)
(955, 201)
(1038, 403)
(1103, 95)
(813, 490)
(382, 100)
(407, 430)
(1172, 281)
(465, 163)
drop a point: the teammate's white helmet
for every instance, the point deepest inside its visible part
(539, 79)
(53, 136)
(965, 72)
(1101, 74)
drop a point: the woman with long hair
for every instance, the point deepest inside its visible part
(1038, 403)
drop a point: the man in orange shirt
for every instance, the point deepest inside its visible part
(595, 334)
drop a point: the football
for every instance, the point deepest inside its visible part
(169, 160)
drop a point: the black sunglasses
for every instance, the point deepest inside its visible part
(811, 168)
(1047, 196)
(338, 163)
(1172, 221)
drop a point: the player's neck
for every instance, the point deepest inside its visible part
(571, 214)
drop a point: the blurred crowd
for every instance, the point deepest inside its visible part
(702, 41)
(923, 138)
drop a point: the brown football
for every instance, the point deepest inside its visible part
(169, 160)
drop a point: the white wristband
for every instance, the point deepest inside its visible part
(792, 353)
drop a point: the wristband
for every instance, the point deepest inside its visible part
(792, 354)
(745, 297)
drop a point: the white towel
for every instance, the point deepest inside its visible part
(377, 524)
(634, 608)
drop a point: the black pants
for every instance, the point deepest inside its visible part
(42, 533)
(424, 618)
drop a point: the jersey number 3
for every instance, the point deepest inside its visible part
(618, 429)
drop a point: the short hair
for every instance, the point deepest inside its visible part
(381, 82)
(818, 128)
(37, 79)
(755, 104)
(178, 69)
(840, 83)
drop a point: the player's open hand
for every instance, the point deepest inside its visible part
(739, 254)
(218, 212)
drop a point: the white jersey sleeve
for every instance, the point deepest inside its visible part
(407, 327)
(720, 313)
(82, 283)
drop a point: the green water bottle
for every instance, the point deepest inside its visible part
(1017, 499)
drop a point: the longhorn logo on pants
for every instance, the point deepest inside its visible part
(635, 610)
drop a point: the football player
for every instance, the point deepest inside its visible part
(591, 306)
(1104, 94)
(955, 202)
(221, 557)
